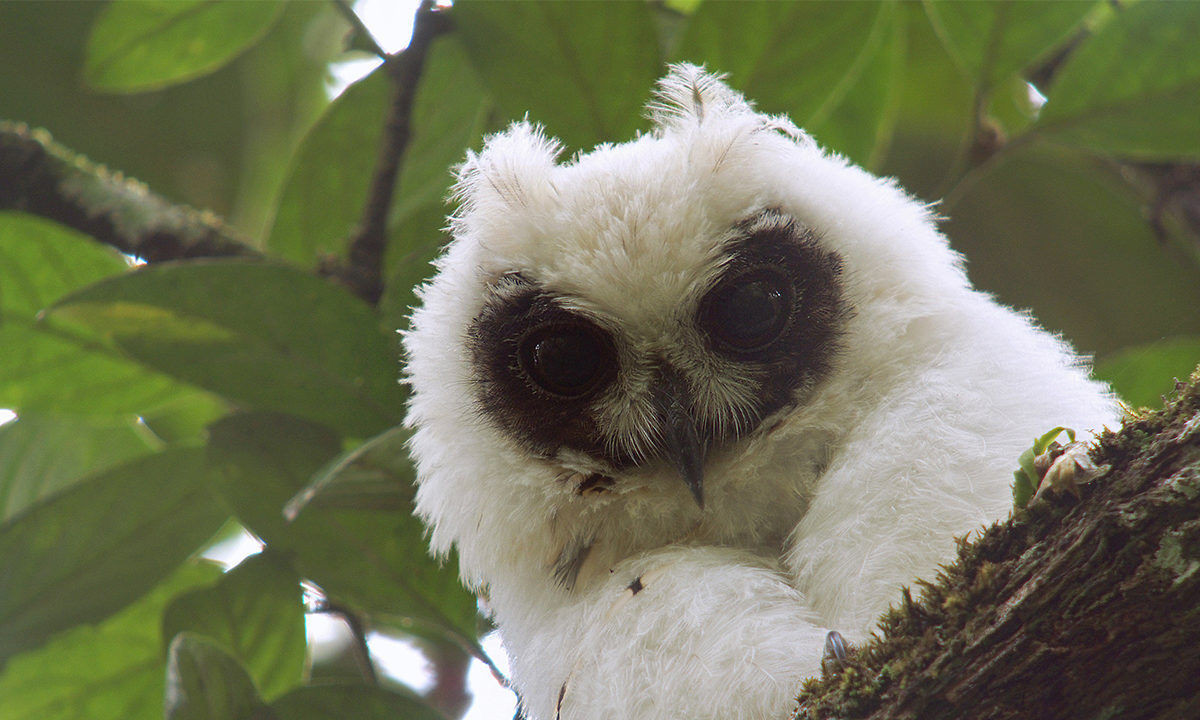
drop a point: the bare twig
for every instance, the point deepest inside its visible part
(347, 12)
(363, 272)
(41, 177)
(362, 654)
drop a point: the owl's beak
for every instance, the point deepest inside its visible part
(681, 443)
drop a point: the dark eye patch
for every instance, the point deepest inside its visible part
(776, 308)
(539, 367)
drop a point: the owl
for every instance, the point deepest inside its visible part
(682, 405)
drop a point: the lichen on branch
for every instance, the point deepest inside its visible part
(41, 177)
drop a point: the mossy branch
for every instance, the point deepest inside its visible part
(1084, 608)
(41, 177)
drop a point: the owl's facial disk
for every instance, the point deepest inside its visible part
(599, 392)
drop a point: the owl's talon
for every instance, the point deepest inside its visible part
(833, 659)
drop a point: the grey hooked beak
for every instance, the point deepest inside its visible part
(680, 440)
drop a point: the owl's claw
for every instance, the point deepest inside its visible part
(833, 659)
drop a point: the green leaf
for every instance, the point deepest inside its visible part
(92, 549)
(374, 558)
(583, 69)
(40, 261)
(138, 45)
(206, 683)
(256, 333)
(361, 702)
(41, 370)
(323, 195)
(255, 613)
(449, 116)
(1051, 231)
(41, 455)
(110, 671)
(859, 120)
(994, 40)
(796, 58)
(1133, 88)
(1142, 375)
(327, 186)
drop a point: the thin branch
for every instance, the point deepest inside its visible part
(363, 273)
(362, 653)
(41, 177)
(347, 12)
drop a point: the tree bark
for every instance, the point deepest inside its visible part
(1074, 608)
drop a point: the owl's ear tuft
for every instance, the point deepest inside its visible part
(689, 94)
(510, 168)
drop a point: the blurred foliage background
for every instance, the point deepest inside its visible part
(162, 408)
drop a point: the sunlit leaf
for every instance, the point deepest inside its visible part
(149, 44)
(361, 702)
(110, 671)
(256, 333)
(1133, 88)
(41, 455)
(993, 40)
(1142, 375)
(44, 371)
(86, 552)
(375, 558)
(40, 261)
(254, 613)
(584, 69)
(204, 682)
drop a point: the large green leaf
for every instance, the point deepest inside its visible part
(1133, 88)
(1046, 231)
(1142, 375)
(41, 370)
(858, 122)
(323, 195)
(360, 544)
(255, 613)
(42, 455)
(90, 550)
(40, 261)
(993, 40)
(584, 69)
(149, 44)
(204, 682)
(361, 702)
(256, 333)
(323, 198)
(110, 671)
(794, 58)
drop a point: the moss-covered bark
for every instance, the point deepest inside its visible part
(41, 177)
(1085, 608)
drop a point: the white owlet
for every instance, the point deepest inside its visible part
(684, 404)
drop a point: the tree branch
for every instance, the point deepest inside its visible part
(363, 273)
(1071, 609)
(41, 177)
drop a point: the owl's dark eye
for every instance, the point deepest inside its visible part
(748, 311)
(568, 359)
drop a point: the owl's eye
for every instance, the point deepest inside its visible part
(748, 311)
(568, 359)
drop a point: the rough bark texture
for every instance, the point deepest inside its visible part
(1085, 608)
(41, 177)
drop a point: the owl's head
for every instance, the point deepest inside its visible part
(607, 337)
